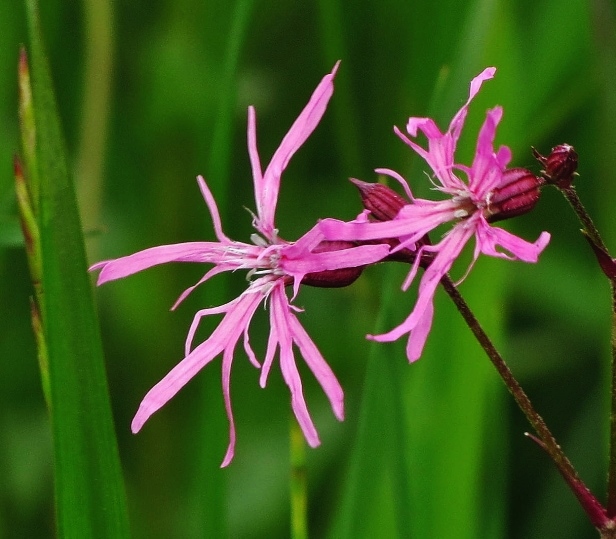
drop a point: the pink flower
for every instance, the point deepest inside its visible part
(272, 264)
(468, 205)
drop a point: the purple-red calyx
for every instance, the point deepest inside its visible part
(381, 201)
(274, 266)
(560, 165)
(517, 194)
(474, 196)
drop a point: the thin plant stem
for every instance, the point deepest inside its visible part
(611, 480)
(546, 440)
(298, 483)
(574, 200)
(593, 235)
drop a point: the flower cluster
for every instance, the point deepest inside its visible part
(333, 253)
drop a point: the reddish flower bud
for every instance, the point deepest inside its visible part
(333, 278)
(517, 194)
(384, 204)
(382, 201)
(560, 165)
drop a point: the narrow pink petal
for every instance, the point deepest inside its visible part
(214, 271)
(175, 380)
(253, 153)
(224, 336)
(332, 260)
(305, 244)
(503, 156)
(458, 120)
(441, 148)
(413, 130)
(455, 127)
(272, 346)
(414, 269)
(196, 251)
(280, 318)
(227, 361)
(426, 125)
(487, 74)
(197, 319)
(399, 179)
(247, 306)
(491, 237)
(333, 229)
(298, 262)
(419, 335)
(319, 367)
(304, 125)
(424, 215)
(211, 204)
(448, 250)
(252, 357)
(486, 173)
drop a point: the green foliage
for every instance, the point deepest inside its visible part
(432, 449)
(89, 489)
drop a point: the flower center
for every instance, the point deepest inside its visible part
(465, 206)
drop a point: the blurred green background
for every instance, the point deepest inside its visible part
(153, 93)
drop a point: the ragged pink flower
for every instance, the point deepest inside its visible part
(273, 264)
(470, 206)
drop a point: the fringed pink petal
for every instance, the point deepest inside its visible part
(319, 367)
(455, 127)
(211, 204)
(301, 129)
(226, 335)
(214, 271)
(486, 173)
(227, 361)
(334, 229)
(491, 237)
(448, 250)
(252, 357)
(419, 334)
(270, 351)
(197, 251)
(175, 380)
(253, 153)
(393, 174)
(280, 319)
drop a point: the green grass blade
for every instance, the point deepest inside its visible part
(378, 460)
(90, 499)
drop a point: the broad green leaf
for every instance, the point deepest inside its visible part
(90, 498)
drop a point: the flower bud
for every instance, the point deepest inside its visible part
(333, 278)
(384, 204)
(560, 165)
(517, 194)
(382, 201)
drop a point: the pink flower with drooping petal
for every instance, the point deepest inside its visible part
(469, 205)
(273, 264)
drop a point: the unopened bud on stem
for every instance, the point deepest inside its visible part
(382, 202)
(560, 165)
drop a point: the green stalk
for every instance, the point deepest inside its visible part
(298, 482)
(546, 440)
(607, 264)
